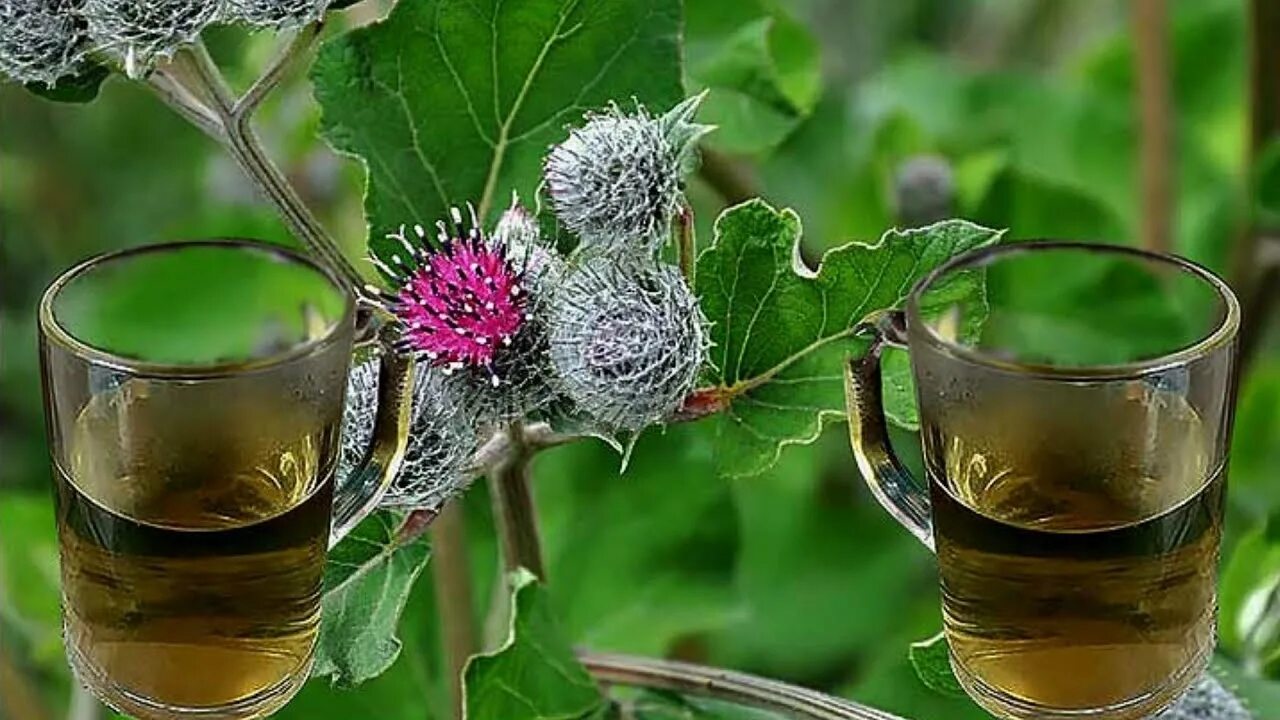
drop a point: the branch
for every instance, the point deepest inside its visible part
(1260, 300)
(172, 93)
(1151, 37)
(299, 49)
(1264, 74)
(725, 685)
(194, 87)
(727, 177)
(513, 510)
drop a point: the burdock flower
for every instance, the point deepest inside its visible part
(472, 306)
(142, 31)
(627, 342)
(41, 40)
(617, 181)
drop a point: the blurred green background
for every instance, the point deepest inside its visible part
(796, 574)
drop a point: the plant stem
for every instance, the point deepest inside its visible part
(1151, 57)
(725, 685)
(1264, 74)
(513, 510)
(1253, 267)
(451, 573)
(195, 88)
(688, 251)
(299, 49)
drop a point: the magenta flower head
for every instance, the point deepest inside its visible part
(459, 299)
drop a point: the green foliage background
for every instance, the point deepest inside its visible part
(795, 573)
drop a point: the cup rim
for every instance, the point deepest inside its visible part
(54, 331)
(1221, 335)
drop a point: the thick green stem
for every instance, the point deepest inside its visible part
(513, 510)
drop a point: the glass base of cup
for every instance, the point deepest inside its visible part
(1010, 707)
(261, 704)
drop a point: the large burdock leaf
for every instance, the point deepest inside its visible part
(455, 101)
(366, 584)
(534, 675)
(782, 331)
(763, 68)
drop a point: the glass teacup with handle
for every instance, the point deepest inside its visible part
(1075, 425)
(194, 401)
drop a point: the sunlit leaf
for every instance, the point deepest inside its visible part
(781, 332)
(452, 101)
(534, 675)
(367, 581)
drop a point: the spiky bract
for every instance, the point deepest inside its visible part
(616, 181)
(627, 342)
(442, 438)
(41, 40)
(276, 13)
(143, 31)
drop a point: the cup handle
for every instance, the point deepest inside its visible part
(890, 482)
(358, 494)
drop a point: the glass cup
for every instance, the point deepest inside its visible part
(194, 396)
(1075, 423)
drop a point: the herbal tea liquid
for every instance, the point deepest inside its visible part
(1078, 560)
(192, 569)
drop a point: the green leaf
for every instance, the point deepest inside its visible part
(651, 578)
(932, 662)
(762, 66)
(889, 680)
(1250, 599)
(1255, 446)
(805, 521)
(455, 101)
(534, 675)
(781, 333)
(29, 580)
(74, 89)
(366, 584)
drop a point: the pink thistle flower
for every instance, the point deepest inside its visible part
(459, 300)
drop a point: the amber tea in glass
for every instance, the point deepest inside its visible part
(194, 395)
(1074, 426)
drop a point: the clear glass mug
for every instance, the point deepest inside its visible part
(194, 396)
(1074, 444)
